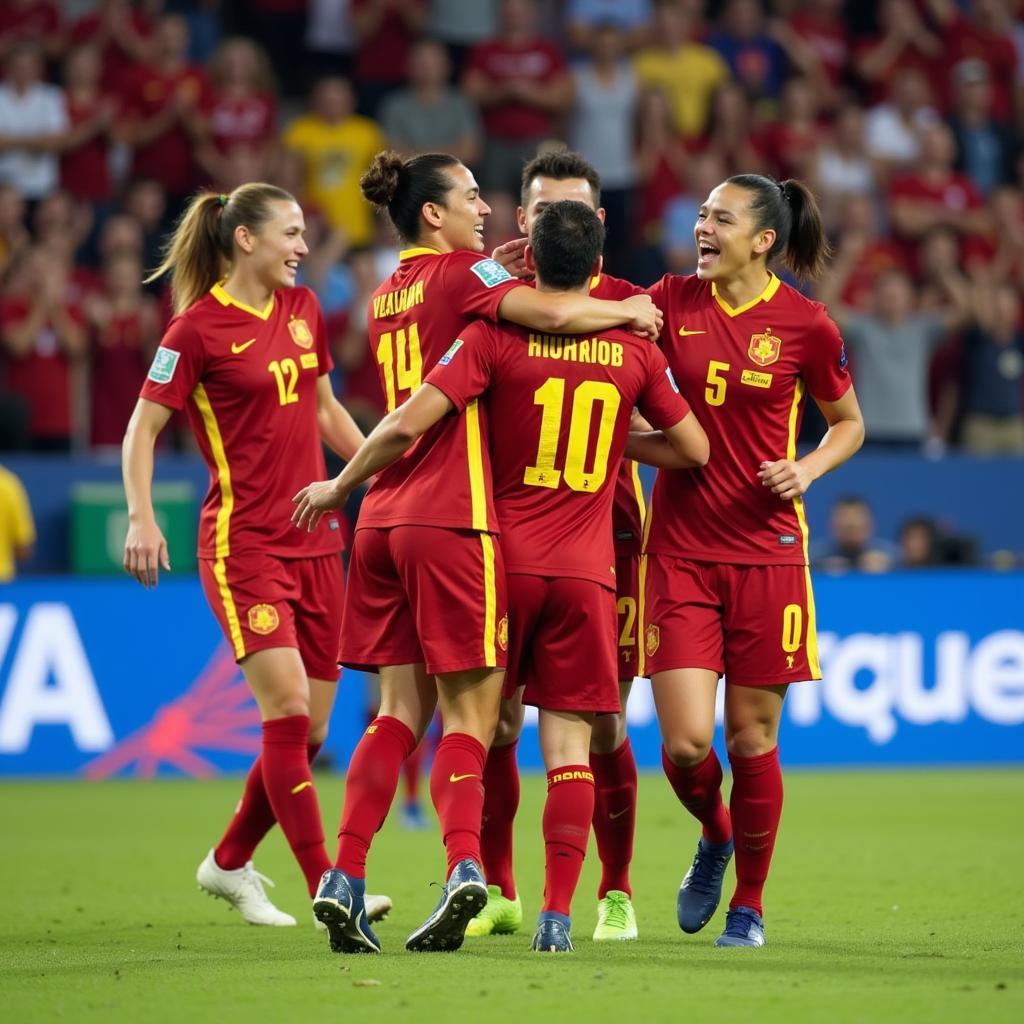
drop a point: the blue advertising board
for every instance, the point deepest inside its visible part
(100, 678)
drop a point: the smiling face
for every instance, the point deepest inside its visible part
(542, 192)
(727, 242)
(460, 221)
(275, 251)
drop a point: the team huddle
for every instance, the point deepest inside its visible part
(503, 555)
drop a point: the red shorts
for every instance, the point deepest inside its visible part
(562, 643)
(752, 623)
(264, 601)
(627, 602)
(425, 594)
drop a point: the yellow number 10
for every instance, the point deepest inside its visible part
(404, 350)
(550, 396)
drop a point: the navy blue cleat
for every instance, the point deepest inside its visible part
(552, 934)
(462, 898)
(701, 890)
(339, 906)
(743, 927)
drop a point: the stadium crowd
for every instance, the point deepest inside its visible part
(905, 116)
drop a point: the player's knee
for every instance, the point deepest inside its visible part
(317, 732)
(286, 705)
(686, 750)
(751, 740)
(608, 734)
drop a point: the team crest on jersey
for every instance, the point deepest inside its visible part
(764, 348)
(652, 639)
(300, 332)
(503, 633)
(263, 619)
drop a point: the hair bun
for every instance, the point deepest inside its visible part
(380, 181)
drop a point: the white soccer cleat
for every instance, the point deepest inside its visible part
(377, 907)
(243, 889)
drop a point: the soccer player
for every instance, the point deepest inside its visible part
(246, 357)
(426, 598)
(548, 178)
(570, 399)
(724, 575)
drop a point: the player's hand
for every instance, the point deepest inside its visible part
(314, 500)
(646, 318)
(145, 551)
(511, 257)
(786, 478)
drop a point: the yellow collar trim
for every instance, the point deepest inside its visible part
(595, 281)
(217, 291)
(765, 296)
(419, 250)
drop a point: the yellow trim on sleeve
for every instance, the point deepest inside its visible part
(218, 292)
(811, 642)
(490, 601)
(765, 296)
(220, 458)
(220, 574)
(419, 250)
(638, 489)
(475, 459)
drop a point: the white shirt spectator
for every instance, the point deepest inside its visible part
(602, 123)
(889, 138)
(39, 111)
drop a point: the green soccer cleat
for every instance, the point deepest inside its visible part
(501, 916)
(616, 918)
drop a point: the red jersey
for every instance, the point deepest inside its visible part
(85, 170)
(247, 379)
(242, 122)
(383, 56)
(747, 373)
(628, 509)
(414, 316)
(118, 370)
(559, 409)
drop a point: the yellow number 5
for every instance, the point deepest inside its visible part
(714, 393)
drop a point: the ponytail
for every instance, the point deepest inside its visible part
(200, 251)
(790, 209)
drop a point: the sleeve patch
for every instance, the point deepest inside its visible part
(165, 362)
(450, 354)
(671, 380)
(491, 272)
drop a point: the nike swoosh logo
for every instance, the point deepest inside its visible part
(617, 814)
(236, 348)
(684, 333)
(301, 786)
(458, 778)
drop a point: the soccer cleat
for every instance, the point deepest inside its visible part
(552, 935)
(701, 889)
(616, 918)
(377, 908)
(412, 817)
(501, 916)
(243, 889)
(743, 927)
(339, 905)
(464, 894)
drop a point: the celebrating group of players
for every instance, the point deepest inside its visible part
(502, 552)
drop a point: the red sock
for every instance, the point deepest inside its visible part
(699, 788)
(568, 811)
(457, 789)
(614, 816)
(289, 786)
(254, 818)
(370, 785)
(756, 804)
(411, 770)
(501, 801)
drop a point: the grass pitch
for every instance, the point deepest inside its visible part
(894, 897)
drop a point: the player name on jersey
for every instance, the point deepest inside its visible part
(574, 349)
(392, 303)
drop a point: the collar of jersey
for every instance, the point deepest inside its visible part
(217, 291)
(765, 296)
(419, 250)
(595, 281)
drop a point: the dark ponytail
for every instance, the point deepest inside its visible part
(789, 207)
(402, 187)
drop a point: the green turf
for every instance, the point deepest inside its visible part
(894, 897)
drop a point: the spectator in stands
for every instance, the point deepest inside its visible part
(336, 146)
(124, 34)
(279, 26)
(918, 538)
(1000, 256)
(731, 130)
(461, 25)
(324, 268)
(33, 120)
(91, 112)
(819, 25)
(679, 65)
(32, 21)
(852, 544)
(904, 42)
(124, 328)
(844, 167)
(985, 148)
(754, 55)
(521, 83)
(430, 116)
(862, 253)
(146, 201)
(17, 527)
(584, 19)
(14, 235)
(161, 120)
(384, 31)
(894, 126)
(240, 114)
(602, 128)
(43, 337)
(330, 39)
(60, 225)
(790, 144)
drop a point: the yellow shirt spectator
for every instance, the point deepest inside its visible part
(336, 146)
(17, 528)
(688, 75)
